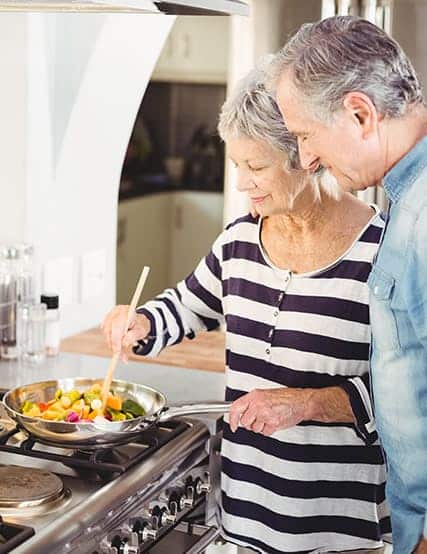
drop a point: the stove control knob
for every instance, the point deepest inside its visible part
(202, 487)
(167, 518)
(122, 545)
(174, 501)
(187, 500)
(129, 549)
(149, 534)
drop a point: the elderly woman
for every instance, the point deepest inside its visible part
(301, 467)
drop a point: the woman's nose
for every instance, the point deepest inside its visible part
(244, 181)
(308, 159)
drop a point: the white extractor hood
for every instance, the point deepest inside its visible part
(175, 7)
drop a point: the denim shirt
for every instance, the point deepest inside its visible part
(398, 285)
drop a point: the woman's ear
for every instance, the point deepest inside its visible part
(362, 111)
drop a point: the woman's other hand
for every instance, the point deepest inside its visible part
(119, 338)
(421, 547)
(266, 411)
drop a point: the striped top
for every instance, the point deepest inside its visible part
(314, 487)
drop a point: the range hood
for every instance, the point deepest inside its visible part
(173, 7)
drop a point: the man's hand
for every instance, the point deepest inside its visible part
(267, 411)
(421, 547)
(117, 336)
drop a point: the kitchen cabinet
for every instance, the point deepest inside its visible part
(198, 220)
(196, 51)
(143, 239)
(170, 232)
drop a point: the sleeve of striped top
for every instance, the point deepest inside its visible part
(194, 305)
(358, 390)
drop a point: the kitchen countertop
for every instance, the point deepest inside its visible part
(177, 385)
(206, 351)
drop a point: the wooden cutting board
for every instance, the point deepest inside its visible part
(206, 351)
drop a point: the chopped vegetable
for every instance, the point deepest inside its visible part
(133, 408)
(83, 407)
(72, 417)
(65, 401)
(116, 415)
(114, 402)
(96, 404)
(27, 406)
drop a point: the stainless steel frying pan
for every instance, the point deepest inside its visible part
(95, 434)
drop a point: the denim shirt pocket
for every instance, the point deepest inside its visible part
(385, 334)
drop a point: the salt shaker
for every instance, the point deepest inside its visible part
(53, 334)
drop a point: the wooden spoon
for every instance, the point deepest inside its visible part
(109, 376)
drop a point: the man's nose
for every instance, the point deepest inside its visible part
(308, 159)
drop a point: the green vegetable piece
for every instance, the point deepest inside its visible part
(90, 395)
(27, 406)
(129, 415)
(133, 408)
(73, 395)
(116, 415)
(58, 394)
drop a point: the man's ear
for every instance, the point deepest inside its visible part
(362, 111)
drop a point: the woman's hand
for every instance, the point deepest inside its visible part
(421, 547)
(266, 411)
(119, 338)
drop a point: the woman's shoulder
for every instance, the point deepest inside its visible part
(374, 228)
(243, 229)
(244, 220)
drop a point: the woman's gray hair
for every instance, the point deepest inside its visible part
(341, 54)
(251, 111)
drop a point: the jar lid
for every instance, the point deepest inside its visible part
(51, 301)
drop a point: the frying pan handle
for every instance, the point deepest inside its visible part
(188, 409)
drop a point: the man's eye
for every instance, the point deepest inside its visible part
(257, 168)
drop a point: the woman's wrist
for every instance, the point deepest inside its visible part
(328, 405)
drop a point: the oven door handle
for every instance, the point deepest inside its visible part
(205, 540)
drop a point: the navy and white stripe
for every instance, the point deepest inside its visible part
(315, 487)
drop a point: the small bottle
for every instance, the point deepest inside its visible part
(8, 302)
(53, 335)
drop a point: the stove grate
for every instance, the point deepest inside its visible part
(107, 462)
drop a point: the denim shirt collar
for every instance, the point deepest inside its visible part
(404, 173)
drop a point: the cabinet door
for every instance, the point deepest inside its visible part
(196, 51)
(143, 239)
(197, 221)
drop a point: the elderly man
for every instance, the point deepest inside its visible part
(351, 96)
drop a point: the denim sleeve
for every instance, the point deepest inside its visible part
(416, 279)
(358, 389)
(416, 296)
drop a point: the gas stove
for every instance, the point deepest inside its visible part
(158, 494)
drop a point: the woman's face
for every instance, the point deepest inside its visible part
(262, 175)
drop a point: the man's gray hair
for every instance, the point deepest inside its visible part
(251, 111)
(341, 54)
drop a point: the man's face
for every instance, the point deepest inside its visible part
(342, 146)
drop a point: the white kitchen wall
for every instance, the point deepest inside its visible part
(71, 87)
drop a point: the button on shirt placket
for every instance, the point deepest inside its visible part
(276, 314)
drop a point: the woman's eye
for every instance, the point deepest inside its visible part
(256, 168)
